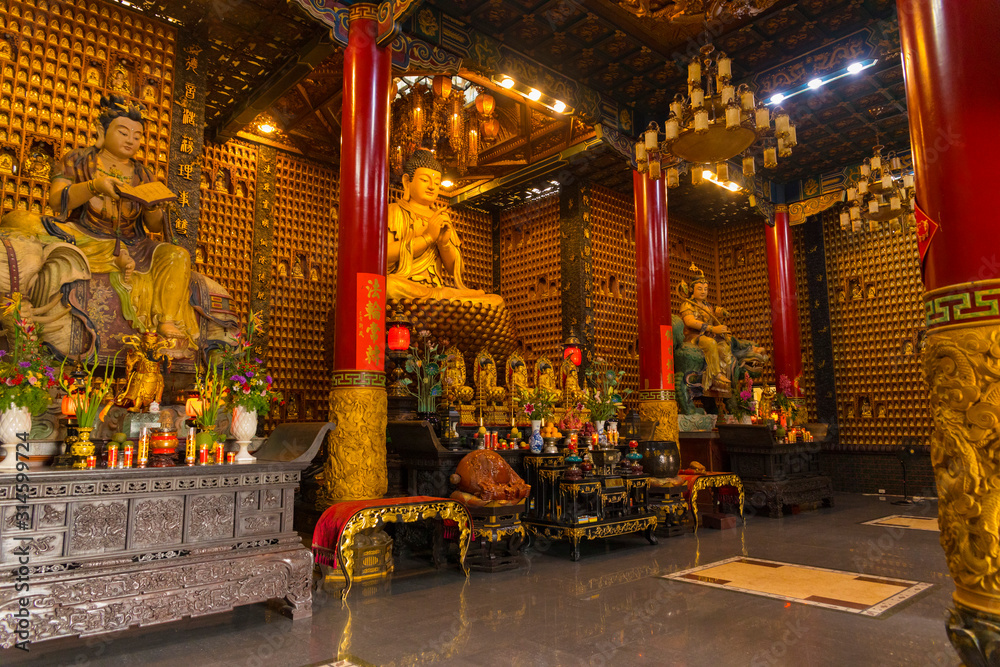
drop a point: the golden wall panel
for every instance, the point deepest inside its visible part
(808, 384)
(612, 228)
(56, 60)
(530, 278)
(475, 229)
(225, 225)
(304, 275)
(876, 315)
(744, 284)
(690, 242)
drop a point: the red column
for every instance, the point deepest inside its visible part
(784, 300)
(656, 352)
(951, 53)
(355, 467)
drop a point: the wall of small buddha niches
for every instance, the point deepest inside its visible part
(743, 282)
(691, 243)
(808, 383)
(530, 278)
(56, 60)
(612, 230)
(876, 318)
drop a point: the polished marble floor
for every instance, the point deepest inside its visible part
(610, 608)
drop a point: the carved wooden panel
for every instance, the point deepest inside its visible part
(876, 317)
(530, 278)
(225, 226)
(304, 279)
(56, 59)
(743, 284)
(612, 225)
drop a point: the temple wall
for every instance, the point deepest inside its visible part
(690, 243)
(873, 280)
(55, 62)
(612, 229)
(806, 306)
(530, 277)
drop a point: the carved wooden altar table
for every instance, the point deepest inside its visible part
(342, 522)
(103, 550)
(697, 481)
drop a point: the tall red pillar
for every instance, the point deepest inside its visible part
(652, 278)
(950, 56)
(784, 300)
(355, 467)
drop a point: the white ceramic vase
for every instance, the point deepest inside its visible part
(12, 422)
(243, 428)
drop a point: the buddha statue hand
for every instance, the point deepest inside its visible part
(125, 264)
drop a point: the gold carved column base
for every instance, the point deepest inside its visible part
(355, 463)
(659, 406)
(962, 366)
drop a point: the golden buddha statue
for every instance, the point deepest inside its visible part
(111, 235)
(571, 391)
(455, 389)
(424, 277)
(545, 378)
(703, 328)
(142, 364)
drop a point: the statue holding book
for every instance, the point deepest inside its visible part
(108, 206)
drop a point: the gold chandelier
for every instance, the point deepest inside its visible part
(689, 11)
(882, 192)
(714, 122)
(442, 117)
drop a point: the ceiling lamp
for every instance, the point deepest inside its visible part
(671, 11)
(713, 123)
(882, 192)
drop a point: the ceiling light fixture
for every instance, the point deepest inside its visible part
(815, 83)
(506, 82)
(534, 95)
(266, 128)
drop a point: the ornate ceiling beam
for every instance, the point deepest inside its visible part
(296, 68)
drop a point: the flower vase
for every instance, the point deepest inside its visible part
(243, 428)
(602, 436)
(14, 421)
(82, 448)
(535, 441)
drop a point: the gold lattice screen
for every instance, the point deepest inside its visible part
(808, 384)
(305, 257)
(475, 230)
(744, 284)
(876, 315)
(530, 278)
(612, 228)
(56, 60)
(225, 226)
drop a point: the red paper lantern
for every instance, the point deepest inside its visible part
(574, 354)
(485, 104)
(491, 127)
(442, 86)
(399, 338)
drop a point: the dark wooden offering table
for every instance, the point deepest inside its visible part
(85, 552)
(595, 507)
(776, 475)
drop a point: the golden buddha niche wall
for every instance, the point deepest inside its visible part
(56, 60)
(475, 229)
(690, 243)
(808, 384)
(876, 318)
(612, 228)
(530, 278)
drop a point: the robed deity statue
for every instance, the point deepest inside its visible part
(424, 247)
(703, 327)
(98, 231)
(143, 365)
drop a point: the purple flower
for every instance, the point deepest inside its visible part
(268, 379)
(50, 373)
(3, 353)
(238, 378)
(24, 364)
(746, 394)
(256, 361)
(249, 374)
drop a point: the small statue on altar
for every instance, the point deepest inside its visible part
(571, 394)
(703, 327)
(545, 379)
(143, 366)
(424, 246)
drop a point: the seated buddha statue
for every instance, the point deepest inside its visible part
(703, 327)
(571, 391)
(153, 279)
(545, 378)
(425, 276)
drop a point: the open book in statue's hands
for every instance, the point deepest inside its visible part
(147, 194)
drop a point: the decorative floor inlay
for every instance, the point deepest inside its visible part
(820, 587)
(904, 521)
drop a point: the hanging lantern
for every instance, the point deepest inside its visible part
(694, 71)
(442, 86)
(763, 117)
(732, 116)
(697, 97)
(845, 219)
(673, 177)
(701, 121)
(399, 338)
(654, 166)
(722, 171)
(770, 157)
(68, 406)
(863, 187)
(696, 176)
(728, 94)
(746, 97)
(749, 168)
(640, 152)
(781, 122)
(571, 348)
(724, 66)
(485, 104)
(672, 127)
(651, 137)
(491, 128)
